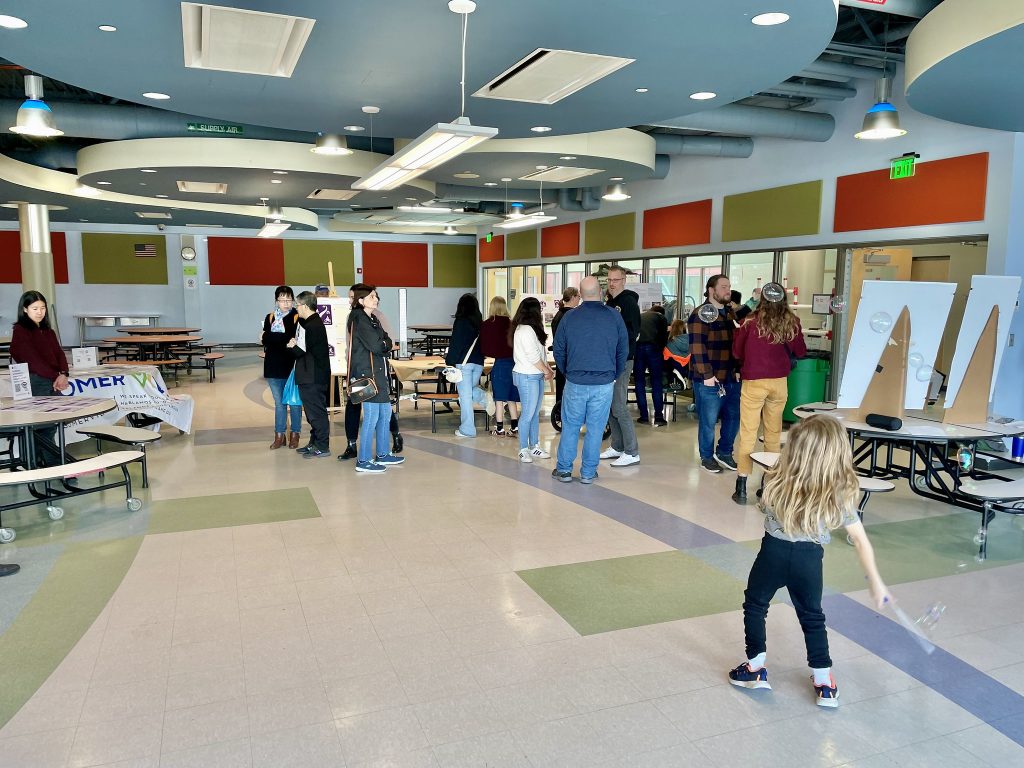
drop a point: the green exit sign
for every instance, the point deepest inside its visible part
(901, 167)
(221, 128)
(490, 236)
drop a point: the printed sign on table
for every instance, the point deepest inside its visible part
(84, 357)
(21, 387)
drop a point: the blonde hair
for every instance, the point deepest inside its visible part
(497, 308)
(775, 321)
(812, 487)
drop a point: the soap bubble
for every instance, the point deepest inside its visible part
(916, 359)
(961, 567)
(837, 304)
(924, 372)
(931, 616)
(773, 292)
(708, 313)
(881, 322)
(980, 536)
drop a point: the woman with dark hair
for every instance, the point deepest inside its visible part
(278, 329)
(34, 342)
(570, 298)
(465, 354)
(494, 343)
(531, 370)
(369, 347)
(765, 345)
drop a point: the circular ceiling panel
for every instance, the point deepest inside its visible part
(403, 57)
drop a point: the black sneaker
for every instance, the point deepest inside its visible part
(316, 453)
(562, 477)
(642, 420)
(304, 449)
(397, 443)
(726, 461)
(744, 677)
(827, 695)
(660, 423)
(711, 466)
(350, 453)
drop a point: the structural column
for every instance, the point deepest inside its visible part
(36, 254)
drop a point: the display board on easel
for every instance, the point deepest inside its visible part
(876, 331)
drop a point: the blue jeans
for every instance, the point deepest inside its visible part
(281, 410)
(531, 394)
(376, 418)
(583, 405)
(469, 393)
(709, 407)
(649, 358)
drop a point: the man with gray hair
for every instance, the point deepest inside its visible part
(590, 349)
(624, 448)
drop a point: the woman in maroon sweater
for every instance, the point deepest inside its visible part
(765, 345)
(34, 342)
(494, 343)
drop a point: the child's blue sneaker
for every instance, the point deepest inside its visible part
(744, 677)
(828, 695)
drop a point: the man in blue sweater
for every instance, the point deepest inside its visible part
(591, 348)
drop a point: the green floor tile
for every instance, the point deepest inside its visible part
(197, 512)
(625, 592)
(62, 609)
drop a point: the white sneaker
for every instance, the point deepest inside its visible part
(458, 433)
(539, 453)
(626, 460)
(610, 453)
(489, 402)
(525, 457)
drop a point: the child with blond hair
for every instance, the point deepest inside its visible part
(811, 491)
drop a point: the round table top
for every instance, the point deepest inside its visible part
(151, 331)
(430, 328)
(168, 339)
(31, 413)
(919, 425)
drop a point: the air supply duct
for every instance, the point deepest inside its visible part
(757, 121)
(705, 146)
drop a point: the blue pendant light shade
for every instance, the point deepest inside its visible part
(34, 116)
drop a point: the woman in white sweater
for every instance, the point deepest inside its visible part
(531, 370)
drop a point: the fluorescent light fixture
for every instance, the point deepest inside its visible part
(156, 95)
(567, 157)
(203, 187)
(540, 129)
(490, 183)
(281, 173)
(276, 181)
(34, 116)
(435, 147)
(273, 229)
(703, 95)
(162, 196)
(424, 209)
(616, 193)
(152, 215)
(642, 90)
(12, 22)
(107, 28)
(104, 183)
(83, 191)
(353, 128)
(148, 170)
(529, 220)
(882, 121)
(330, 144)
(559, 174)
(770, 19)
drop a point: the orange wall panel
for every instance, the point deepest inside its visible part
(683, 224)
(395, 264)
(563, 240)
(494, 250)
(246, 261)
(10, 258)
(939, 192)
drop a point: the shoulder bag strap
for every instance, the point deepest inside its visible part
(469, 351)
(348, 357)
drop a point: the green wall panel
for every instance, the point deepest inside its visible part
(610, 233)
(454, 266)
(521, 245)
(111, 259)
(780, 212)
(305, 262)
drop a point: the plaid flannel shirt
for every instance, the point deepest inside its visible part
(711, 346)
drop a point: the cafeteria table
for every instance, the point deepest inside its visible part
(24, 416)
(159, 344)
(143, 330)
(436, 338)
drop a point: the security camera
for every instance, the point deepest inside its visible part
(161, 227)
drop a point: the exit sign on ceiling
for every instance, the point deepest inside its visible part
(901, 167)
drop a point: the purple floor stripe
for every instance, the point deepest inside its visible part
(966, 686)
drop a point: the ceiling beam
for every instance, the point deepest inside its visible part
(915, 9)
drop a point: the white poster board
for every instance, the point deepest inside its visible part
(334, 313)
(649, 293)
(929, 305)
(987, 291)
(83, 357)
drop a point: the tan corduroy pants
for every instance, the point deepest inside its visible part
(760, 399)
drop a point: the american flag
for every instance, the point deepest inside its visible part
(145, 249)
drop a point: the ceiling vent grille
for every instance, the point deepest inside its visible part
(332, 194)
(152, 215)
(203, 187)
(559, 173)
(236, 40)
(547, 76)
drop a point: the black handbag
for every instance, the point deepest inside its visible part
(364, 388)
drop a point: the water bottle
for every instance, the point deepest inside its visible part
(966, 458)
(1017, 451)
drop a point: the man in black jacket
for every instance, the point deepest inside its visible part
(312, 375)
(650, 348)
(624, 448)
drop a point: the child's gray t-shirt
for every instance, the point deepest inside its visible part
(773, 528)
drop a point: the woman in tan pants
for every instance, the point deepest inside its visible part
(765, 346)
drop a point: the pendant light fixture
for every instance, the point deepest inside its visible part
(450, 230)
(272, 224)
(440, 143)
(34, 116)
(616, 193)
(882, 121)
(517, 219)
(330, 144)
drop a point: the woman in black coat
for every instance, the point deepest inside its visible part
(369, 347)
(278, 329)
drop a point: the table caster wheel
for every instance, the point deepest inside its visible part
(920, 482)
(55, 513)
(134, 504)
(7, 535)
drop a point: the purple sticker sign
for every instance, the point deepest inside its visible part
(324, 310)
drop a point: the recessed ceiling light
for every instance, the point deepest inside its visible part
(540, 129)
(147, 170)
(353, 128)
(104, 183)
(490, 183)
(411, 199)
(155, 95)
(466, 175)
(371, 110)
(770, 19)
(281, 173)
(641, 90)
(567, 157)
(12, 22)
(506, 178)
(276, 181)
(615, 178)
(83, 220)
(107, 28)
(702, 95)
(161, 195)
(142, 184)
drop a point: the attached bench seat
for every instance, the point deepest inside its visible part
(995, 495)
(46, 475)
(446, 399)
(133, 436)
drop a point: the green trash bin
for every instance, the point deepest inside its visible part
(806, 384)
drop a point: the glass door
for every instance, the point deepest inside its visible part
(748, 271)
(575, 272)
(516, 281)
(697, 270)
(534, 279)
(553, 279)
(665, 272)
(495, 284)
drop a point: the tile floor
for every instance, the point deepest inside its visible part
(393, 630)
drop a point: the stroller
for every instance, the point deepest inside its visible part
(556, 410)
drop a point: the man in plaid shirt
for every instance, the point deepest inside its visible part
(716, 379)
